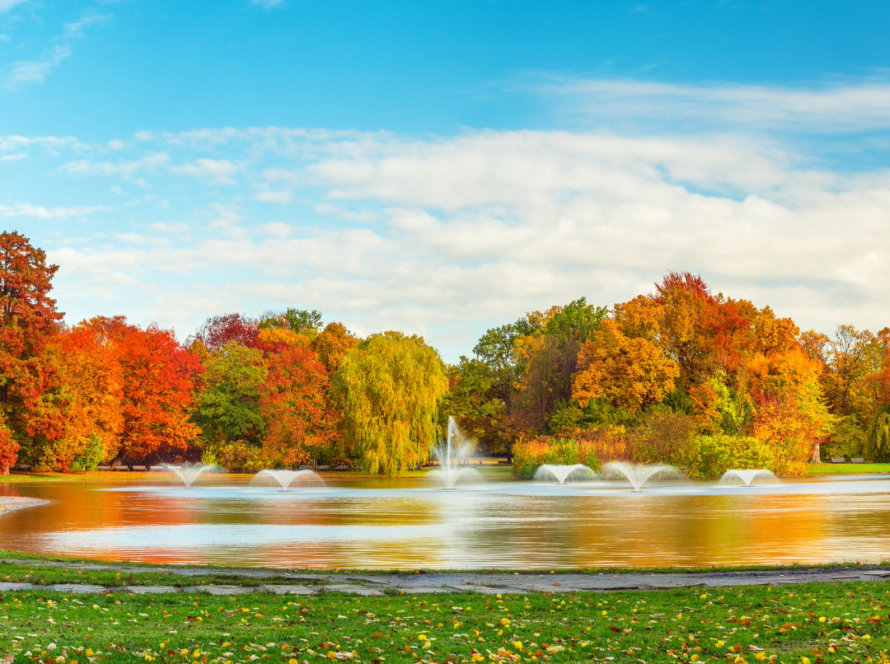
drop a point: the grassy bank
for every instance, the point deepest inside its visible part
(847, 468)
(811, 623)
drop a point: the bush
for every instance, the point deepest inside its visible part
(531, 454)
(90, 457)
(718, 453)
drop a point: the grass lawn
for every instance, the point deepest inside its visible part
(815, 623)
(847, 468)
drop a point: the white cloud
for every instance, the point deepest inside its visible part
(6, 5)
(169, 228)
(18, 156)
(40, 212)
(221, 170)
(75, 30)
(127, 168)
(839, 107)
(25, 72)
(473, 230)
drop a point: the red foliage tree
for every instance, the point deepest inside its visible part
(220, 330)
(158, 384)
(295, 405)
(28, 319)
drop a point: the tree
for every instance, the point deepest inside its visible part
(295, 406)
(220, 330)
(227, 409)
(631, 373)
(159, 379)
(332, 345)
(879, 437)
(93, 384)
(472, 400)
(301, 321)
(29, 320)
(389, 388)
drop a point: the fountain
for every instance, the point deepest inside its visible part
(188, 472)
(637, 474)
(562, 473)
(747, 477)
(450, 470)
(285, 478)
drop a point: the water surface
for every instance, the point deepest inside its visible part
(409, 524)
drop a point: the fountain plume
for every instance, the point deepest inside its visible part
(188, 472)
(637, 474)
(285, 478)
(747, 477)
(562, 473)
(450, 455)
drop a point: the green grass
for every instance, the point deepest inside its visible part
(847, 468)
(820, 622)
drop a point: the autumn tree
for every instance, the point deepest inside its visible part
(220, 330)
(159, 380)
(473, 401)
(92, 377)
(301, 321)
(332, 344)
(389, 388)
(295, 406)
(631, 373)
(227, 408)
(29, 320)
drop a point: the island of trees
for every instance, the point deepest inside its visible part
(680, 375)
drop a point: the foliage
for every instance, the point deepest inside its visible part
(90, 456)
(473, 402)
(721, 452)
(28, 319)
(221, 330)
(332, 345)
(227, 408)
(389, 388)
(294, 405)
(879, 437)
(630, 373)
(8, 448)
(530, 454)
(300, 321)
(848, 438)
(159, 378)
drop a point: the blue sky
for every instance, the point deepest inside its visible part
(441, 167)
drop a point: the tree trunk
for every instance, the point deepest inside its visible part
(4, 470)
(817, 455)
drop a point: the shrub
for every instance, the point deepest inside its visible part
(531, 454)
(90, 457)
(718, 453)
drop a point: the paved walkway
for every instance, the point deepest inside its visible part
(286, 583)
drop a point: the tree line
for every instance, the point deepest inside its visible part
(680, 375)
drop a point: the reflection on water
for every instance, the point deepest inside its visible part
(406, 524)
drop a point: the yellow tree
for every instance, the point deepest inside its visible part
(631, 373)
(389, 388)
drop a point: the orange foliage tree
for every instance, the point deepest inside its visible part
(294, 403)
(29, 400)
(93, 383)
(630, 373)
(159, 378)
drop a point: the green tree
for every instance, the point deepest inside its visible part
(473, 401)
(879, 437)
(389, 388)
(228, 405)
(301, 321)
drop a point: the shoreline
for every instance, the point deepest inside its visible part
(13, 503)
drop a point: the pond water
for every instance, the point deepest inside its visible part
(410, 524)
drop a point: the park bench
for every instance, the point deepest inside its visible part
(857, 460)
(833, 460)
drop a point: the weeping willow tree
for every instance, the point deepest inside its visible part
(388, 388)
(879, 436)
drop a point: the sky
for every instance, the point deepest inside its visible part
(441, 168)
